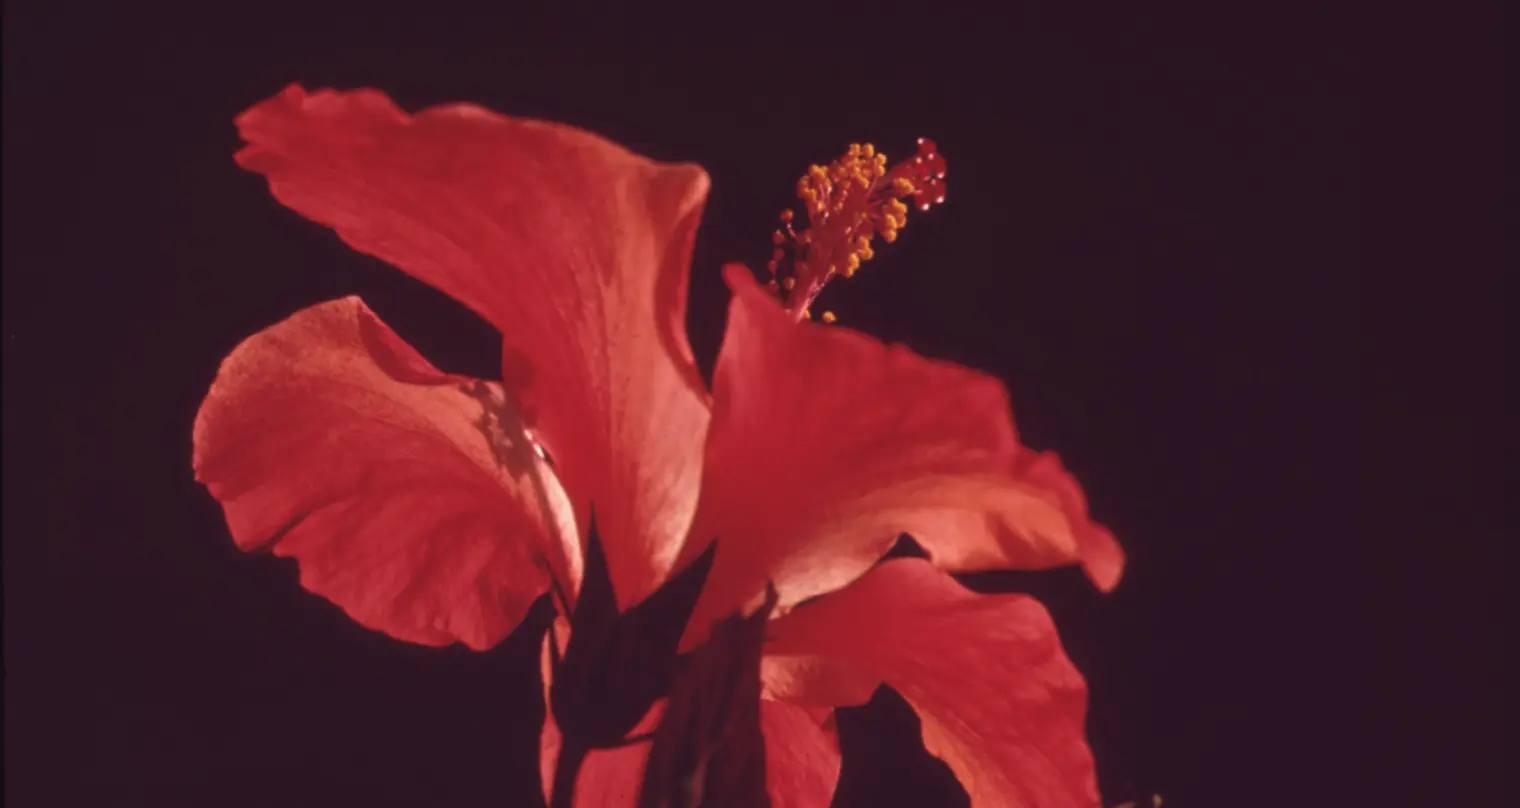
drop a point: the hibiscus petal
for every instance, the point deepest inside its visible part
(801, 756)
(609, 778)
(411, 498)
(826, 445)
(997, 697)
(801, 753)
(814, 683)
(1043, 475)
(801, 761)
(575, 248)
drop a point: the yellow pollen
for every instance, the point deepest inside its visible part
(848, 203)
(828, 317)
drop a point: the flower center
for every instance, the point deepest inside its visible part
(848, 203)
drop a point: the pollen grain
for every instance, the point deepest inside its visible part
(848, 203)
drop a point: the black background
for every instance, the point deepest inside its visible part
(1152, 234)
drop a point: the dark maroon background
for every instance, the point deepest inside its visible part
(1152, 234)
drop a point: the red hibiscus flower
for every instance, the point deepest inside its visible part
(438, 508)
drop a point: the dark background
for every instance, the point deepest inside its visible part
(1152, 234)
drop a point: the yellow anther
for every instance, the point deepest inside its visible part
(828, 317)
(848, 202)
(806, 314)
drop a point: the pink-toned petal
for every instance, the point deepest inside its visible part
(801, 749)
(827, 444)
(411, 498)
(575, 248)
(997, 697)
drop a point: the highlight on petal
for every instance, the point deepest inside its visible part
(411, 498)
(998, 699)
(826, 445)
(573, 247)
(1042, 474)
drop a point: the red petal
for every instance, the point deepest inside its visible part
(1042, 474)
(827, 444)
(801, 754)
(608, 777)
(575, 248)
(411, 498)
(999, 700)
(813, 682)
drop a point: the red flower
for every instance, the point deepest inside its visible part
(437, 508)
